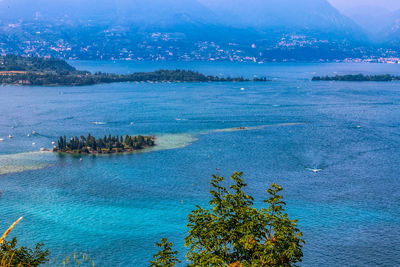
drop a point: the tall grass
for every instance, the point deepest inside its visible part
(9, 230)
(7, 259)
(77, 259)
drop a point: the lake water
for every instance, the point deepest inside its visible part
(115, 208)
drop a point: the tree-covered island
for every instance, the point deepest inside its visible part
(358, 78)
(107, 145)
(17, 70)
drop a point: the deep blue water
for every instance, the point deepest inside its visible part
(116, 207)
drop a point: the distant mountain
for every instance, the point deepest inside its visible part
(163, 12)
(201, 29)
(292, 15)
(61, 11)
(341, 5)
(381, 25)
(151, 12)
(316, 16)
(391, 33)
(379, 19)
(372, 19)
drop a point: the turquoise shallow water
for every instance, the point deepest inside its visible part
(116, 207)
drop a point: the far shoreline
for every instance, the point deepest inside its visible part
(51, 72)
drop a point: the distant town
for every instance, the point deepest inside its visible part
(115, 44)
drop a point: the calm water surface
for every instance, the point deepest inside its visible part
(116, 207)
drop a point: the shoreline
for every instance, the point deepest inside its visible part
(112, 152)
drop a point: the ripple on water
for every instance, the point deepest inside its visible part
(14, 163)
(20, 162)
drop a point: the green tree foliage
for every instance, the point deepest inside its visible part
(91, 145)
(11, 255)
(234, 233)
(51, 71)
(358, 78)
(166, 257)
(35, 64)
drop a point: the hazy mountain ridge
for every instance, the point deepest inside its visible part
(182, 25)
(259, 14)
(380, 23)
(100, 12)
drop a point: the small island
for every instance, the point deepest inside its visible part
(358, 78)
(106, 145)
(18, 70)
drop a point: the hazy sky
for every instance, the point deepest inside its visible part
(346, 4)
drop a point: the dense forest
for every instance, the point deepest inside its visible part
(35, 64)
(358, 78)
(106, 145)
(55, 72)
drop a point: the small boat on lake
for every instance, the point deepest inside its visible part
(314, 170)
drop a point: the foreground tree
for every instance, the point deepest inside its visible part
(11, 255)
(234, 233)
(166, 257)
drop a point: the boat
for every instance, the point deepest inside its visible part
(314, 170)
(1, 140)
(10, 136)
(34, 132)
(242, 89)
(43, 149)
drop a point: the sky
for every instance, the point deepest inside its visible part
(347, 4)
(391, 5)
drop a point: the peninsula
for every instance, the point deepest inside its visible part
(17, 70)
(358, 78)
(106, 145)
